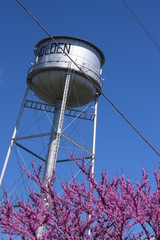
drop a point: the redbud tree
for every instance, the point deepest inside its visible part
(114, 209)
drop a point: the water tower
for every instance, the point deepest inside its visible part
(65, 76)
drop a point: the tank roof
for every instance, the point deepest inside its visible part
(74, 38)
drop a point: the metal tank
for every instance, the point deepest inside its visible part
(46, 78)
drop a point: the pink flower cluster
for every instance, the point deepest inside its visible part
(91, 210)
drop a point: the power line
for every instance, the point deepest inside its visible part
(110, 102)
(142, 25)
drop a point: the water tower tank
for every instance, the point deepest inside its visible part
(46, 78)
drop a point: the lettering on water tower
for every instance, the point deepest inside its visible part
(54, 49)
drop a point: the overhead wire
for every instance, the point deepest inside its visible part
(99, 89)
(141, 24)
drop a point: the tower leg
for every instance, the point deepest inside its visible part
(13, 136)
(94, 146)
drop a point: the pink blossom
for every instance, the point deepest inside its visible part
(110, 210)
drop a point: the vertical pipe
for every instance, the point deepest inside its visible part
(54, 141)
(51, 161)
(13, 136)
(56, 132)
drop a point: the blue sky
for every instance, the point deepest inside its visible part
(131, 74)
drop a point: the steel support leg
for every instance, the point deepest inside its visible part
(93, 146)
(13, 136)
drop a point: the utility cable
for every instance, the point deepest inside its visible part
(99, 89)
(142, 25)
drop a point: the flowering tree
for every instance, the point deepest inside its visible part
(105, 210)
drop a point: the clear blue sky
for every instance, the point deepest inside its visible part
(131, 73)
